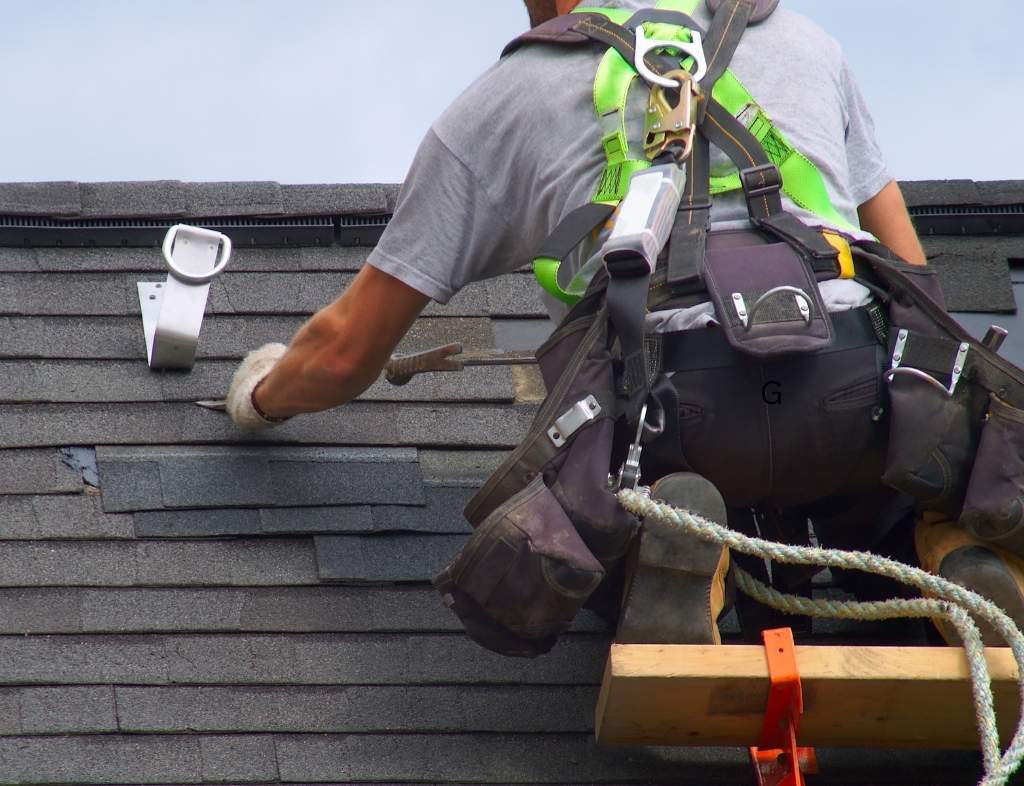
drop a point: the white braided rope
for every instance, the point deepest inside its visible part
(949, 600)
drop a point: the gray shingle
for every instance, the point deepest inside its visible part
(465, 468)
(357, 709)
(53, 516)
(441, 514)
(384, 558)
(360, 423)
(521, 335)
(101, 759)
(113, 294)
(215, 522)
(935, 193)
(291, 658)
(252, 198)
(36, 472)
(1001, 192)
(577, 759)
(974, 249)
(149, 261)
(33, 610)
(74, 708)
(317, 200)
(515, 295)
(176, 563)
(84, 381)
(509, 758)
(309, 609)
(56, 199)
(161, 198)
(975, 285)
(232, 759)
(113, 338)
(198, 477)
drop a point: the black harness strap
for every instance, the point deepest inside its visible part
(688, 241)
(573, 230)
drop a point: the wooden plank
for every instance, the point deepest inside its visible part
(853, 696)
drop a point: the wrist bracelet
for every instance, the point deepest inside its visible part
(260, 412)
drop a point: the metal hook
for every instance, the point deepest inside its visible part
(803, 302)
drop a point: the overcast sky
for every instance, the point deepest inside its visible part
(319, 91)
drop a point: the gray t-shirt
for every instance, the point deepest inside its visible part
(521, 148)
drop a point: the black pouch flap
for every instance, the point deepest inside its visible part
(767, 300)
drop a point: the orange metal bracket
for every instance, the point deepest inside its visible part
(778, 761)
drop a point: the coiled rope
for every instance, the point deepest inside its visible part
(951, 601)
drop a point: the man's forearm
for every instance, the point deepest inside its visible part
(342, 349)
(885, 216)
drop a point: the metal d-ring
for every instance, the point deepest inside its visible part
(803, 302)
(695, 49)
(917, 374)
(198, 235)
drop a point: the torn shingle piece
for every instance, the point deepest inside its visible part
(359, 423)
(205, 477)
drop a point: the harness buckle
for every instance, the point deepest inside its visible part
(761, 180)
(669, 126)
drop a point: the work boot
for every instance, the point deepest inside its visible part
(677, 585)
(946, 549)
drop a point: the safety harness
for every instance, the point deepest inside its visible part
(669, 26)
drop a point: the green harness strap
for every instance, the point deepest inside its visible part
(802, 182)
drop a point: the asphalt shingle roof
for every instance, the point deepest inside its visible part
(183, 603)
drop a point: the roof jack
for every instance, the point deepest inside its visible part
(172, 311)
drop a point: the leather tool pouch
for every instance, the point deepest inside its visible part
(547, 526)
(932, 440)
(994, 508)
(767, 300)
(522, 577)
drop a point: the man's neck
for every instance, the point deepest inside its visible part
(565, 6)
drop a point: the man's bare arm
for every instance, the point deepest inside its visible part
(885, 216)
(342, 349)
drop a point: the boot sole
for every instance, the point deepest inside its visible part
(985, 572)
(678, 585)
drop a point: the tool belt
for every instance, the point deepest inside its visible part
(897, 393)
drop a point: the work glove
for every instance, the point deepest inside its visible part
(254, 369)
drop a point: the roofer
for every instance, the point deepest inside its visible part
(784, 435)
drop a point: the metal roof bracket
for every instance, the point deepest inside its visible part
(172, 311)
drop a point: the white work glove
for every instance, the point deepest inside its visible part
(254, 369)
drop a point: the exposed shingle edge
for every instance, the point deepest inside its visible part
(178, 199)
(320, 608)
(291, 658)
